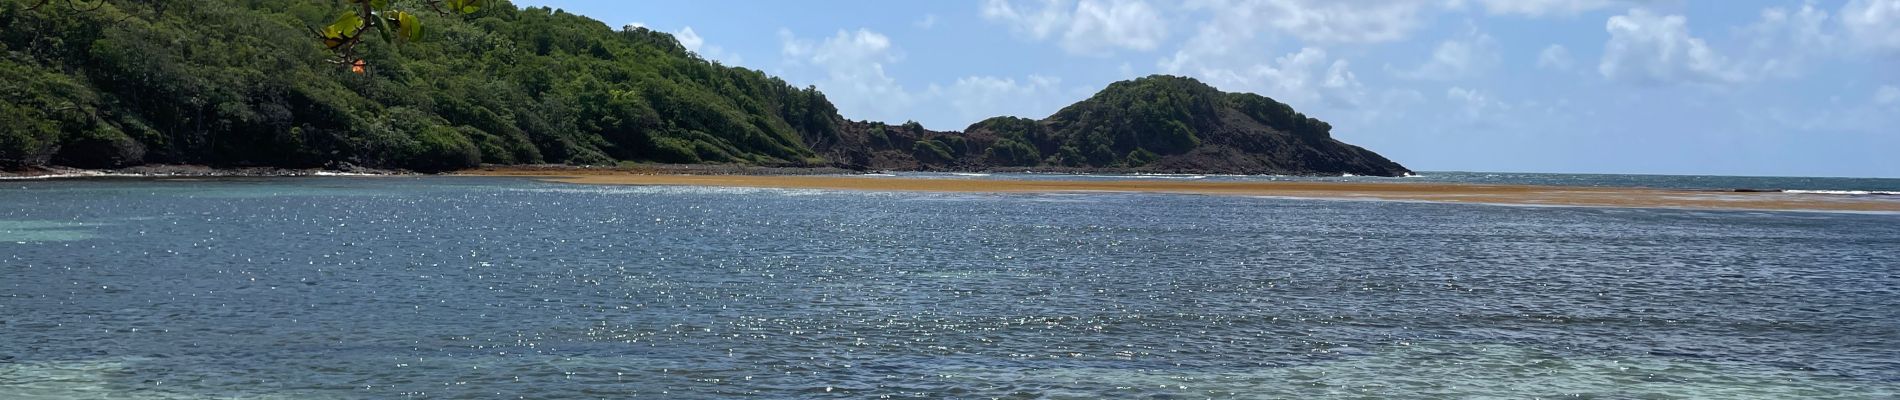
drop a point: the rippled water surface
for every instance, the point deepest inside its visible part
(1882, 187)
(490, 288)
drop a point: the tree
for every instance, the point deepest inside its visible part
(396, 26)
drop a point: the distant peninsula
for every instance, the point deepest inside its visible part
(237, 84)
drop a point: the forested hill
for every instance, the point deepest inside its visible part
(247, 83)
(1161, 124)
(228, 82)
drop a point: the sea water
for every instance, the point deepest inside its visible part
(1808, 185)
(448, 287)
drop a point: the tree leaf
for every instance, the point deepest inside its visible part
(386, 34)
(465, 6)
(408, 27)
(345, 25)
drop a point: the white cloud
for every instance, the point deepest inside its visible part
(978, 97)
(696, 44)
(1888, 95)
(690, 39)
(1458, 58)
(853, 75)
(1539, 8)
(853, 65)
(1304, 77)
(1095, 27)
(1039, 24)
(1874, 23)
(634, 25)
(1320, 21)
(1647, 48)
(1476, 106)
(1783, 41)
(929, 21)
(1555, 57)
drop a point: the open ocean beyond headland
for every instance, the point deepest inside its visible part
(476, 287)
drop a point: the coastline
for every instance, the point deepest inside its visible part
(1524, 195)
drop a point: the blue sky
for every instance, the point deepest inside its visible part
(1616, 86)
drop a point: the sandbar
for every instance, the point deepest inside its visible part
(1394, 191)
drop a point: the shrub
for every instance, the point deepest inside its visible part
(931, 151)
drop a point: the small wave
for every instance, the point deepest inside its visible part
(1146, 176)
(670, 190)
(1845, 192)
(968, 174)
(335, 173)
(81, 174)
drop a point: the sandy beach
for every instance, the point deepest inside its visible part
(1432, 192)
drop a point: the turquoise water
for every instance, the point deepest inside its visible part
(440, 287)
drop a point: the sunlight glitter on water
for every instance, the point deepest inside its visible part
(509, 287)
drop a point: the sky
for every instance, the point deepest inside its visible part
(1741, 87)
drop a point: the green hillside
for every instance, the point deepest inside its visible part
(241, 83)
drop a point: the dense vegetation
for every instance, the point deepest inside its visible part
(241, 82)
(252, 83)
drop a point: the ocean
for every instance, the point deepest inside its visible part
(467, 287)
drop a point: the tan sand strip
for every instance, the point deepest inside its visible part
(1434, 192)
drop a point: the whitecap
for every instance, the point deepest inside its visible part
(1147, 176)
(336, 173)
(1844, 192)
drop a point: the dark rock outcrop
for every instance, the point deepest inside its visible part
(1157, 124)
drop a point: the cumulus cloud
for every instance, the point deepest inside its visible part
(1475, 106)
(1095, 27)
(696, 44)
(1873, 23)
(1232, 49)
(690, 39)
(1539, 8)
(1555, 57)
(1320, 21)
(977, 97)
(1783, 40)
(1307, 76)
(1458, 58)
(1647, 48)
(853, 66)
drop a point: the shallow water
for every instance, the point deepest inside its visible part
(487, 287)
